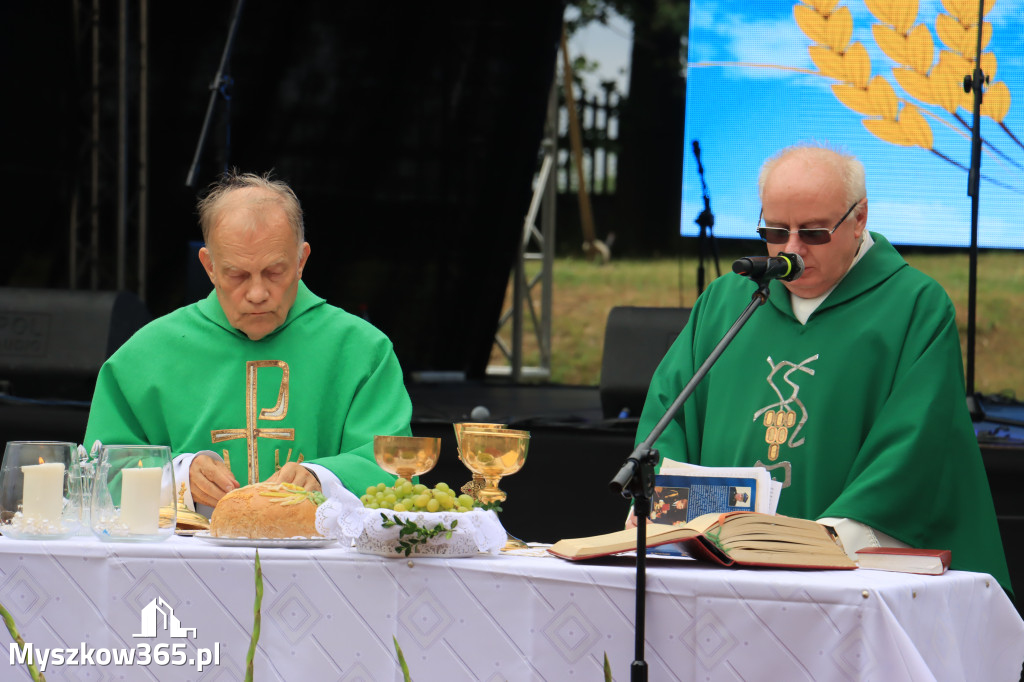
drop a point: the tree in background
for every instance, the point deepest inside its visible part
(650, 168)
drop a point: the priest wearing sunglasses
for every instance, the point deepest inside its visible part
(848, 382)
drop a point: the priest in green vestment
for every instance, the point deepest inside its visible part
(262, 379)
(850, 378)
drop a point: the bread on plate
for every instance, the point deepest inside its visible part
(267, 510)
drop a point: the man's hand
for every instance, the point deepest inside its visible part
(631, 519)
(295, 473)
(210, 480)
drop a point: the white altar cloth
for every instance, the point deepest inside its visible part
(331, 613)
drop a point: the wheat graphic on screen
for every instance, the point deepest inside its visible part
(930, 74)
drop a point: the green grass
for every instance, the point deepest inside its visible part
(584, 293)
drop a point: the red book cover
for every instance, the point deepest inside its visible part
(905, 559)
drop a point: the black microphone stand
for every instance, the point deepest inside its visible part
(974, 83)
(221, 85)
(706, 221)
(636, 477)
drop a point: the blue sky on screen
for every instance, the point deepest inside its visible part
(742, 114)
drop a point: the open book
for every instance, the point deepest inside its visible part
(736, 538)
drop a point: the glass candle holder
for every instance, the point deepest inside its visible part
(81, 475)
(131, 484)
(34, 496)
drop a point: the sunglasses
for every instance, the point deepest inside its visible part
(811, 236)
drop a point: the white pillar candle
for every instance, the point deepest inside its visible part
(140, 499)
(43, 492)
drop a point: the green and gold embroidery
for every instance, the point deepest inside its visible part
(777, 432)
(252, 433)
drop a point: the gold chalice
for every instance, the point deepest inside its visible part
(406, 456)
(491, 454)
(494, 453)
(472, 487)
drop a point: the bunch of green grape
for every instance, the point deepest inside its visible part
(404, 496)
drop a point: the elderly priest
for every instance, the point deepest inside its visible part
(262, 379)
(850, 378)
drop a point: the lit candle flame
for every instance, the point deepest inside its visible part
(140, 463)
(40, 460)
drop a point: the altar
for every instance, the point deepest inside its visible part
(185, 607)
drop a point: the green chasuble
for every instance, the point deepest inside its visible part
(321, 386)
(866, 401)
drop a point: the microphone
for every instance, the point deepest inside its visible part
(785, 266)
(696, 153)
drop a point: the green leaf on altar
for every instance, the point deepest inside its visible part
(16, 636)
(401, 660)
(411, 534)
(255, 621)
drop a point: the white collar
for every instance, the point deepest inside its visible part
(804, 307)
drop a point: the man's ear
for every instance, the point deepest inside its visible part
(304, 251)
(862, 216)
(207, 260)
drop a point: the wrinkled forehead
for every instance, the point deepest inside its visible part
(252, 235)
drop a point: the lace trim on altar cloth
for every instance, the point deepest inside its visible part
(343, 514)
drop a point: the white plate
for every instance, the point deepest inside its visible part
(265, 542)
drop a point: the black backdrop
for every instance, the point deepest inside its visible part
(409, 131)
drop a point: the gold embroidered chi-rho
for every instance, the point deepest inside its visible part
(252, 431)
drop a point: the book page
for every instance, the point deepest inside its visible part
(767, 503)
(618, 541)
(815, 559)
(678, 499)
(769, 523)
(780, 533)
(794, 544)
(774, 491)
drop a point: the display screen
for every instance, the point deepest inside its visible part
(880, 80)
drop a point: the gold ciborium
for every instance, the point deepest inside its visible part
(476, 485)
(406, 456)
(494, 453)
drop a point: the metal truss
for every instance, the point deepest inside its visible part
(535, 246)
(107, 222)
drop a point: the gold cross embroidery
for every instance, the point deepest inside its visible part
(277, 458)
(251, 433)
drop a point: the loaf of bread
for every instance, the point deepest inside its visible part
(266, 510)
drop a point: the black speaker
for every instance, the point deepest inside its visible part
(635, 341)
(52, 342)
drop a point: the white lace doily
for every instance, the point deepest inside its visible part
(327, 517)
(477, 531)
